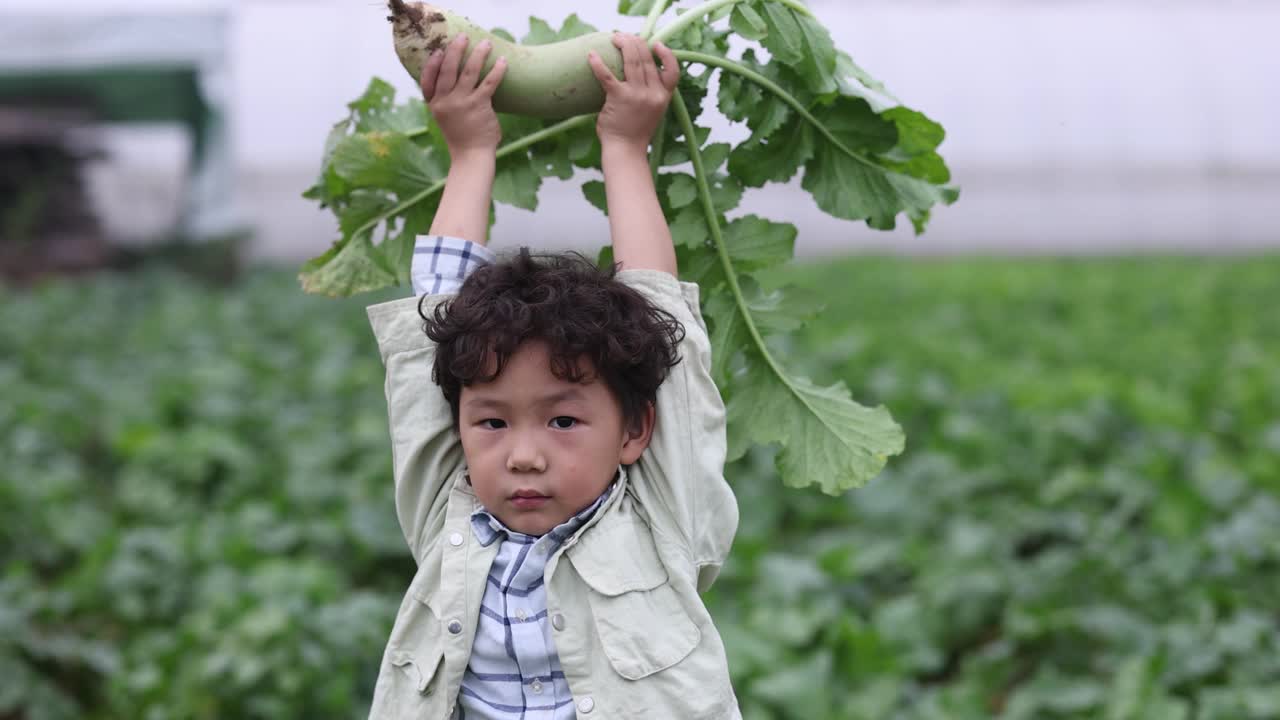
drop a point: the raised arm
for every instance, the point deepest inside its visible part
(632, 112)
(462, 105)
(425, 448)
(680, 476)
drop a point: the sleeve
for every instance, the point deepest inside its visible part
(441, 264)
(680, 477)
(425, 449)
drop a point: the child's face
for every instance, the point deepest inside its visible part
(540, 449)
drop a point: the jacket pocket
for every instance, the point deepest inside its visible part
(409, 683)
(407, 687)
(640, 620)
(416, 671)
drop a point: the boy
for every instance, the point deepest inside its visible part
(562, 488)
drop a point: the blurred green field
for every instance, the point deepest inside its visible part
(196, 511)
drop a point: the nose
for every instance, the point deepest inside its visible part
(524, 455)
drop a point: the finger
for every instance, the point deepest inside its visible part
(633, 69)
(430, 73)
(650, 66)
(670, 67)
(494, 78)
(639, 65)
(452, 61)
(475, 65)
(607, 79)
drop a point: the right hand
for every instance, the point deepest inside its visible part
(461, 103)
(634, 106)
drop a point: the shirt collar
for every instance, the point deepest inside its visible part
(488, 528)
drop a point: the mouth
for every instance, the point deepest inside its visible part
(529, 499)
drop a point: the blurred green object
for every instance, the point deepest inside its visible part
(196, 511)
(118, 94)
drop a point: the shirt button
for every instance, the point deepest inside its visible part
(455, 539)
(557, 621)
(586, 705)
(455, 627)
(536, 687)
(521, 615)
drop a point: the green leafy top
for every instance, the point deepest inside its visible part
(809, 108)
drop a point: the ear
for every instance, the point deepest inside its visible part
(637, 437)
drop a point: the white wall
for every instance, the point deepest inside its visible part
(1076, 125)
(1033, 82)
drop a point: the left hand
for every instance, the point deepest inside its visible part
(634, 106)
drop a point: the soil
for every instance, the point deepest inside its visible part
(419, 21)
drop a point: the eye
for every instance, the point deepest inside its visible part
(564, 422)
(492, 424)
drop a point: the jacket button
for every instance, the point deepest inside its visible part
(455, 627)
(586, 705)
(557, 621)
(455, 539)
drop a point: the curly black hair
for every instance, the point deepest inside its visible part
(580, 310)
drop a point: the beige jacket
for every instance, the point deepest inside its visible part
(633, 636)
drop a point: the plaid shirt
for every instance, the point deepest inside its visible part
(440, 264)
(514, 672)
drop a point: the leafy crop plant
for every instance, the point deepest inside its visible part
(808, 106)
